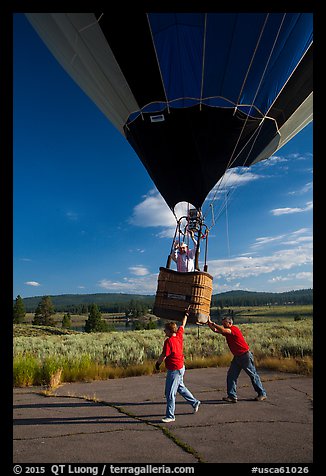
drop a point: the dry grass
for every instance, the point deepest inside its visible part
(303, 366)
(55, 379)
(212, 361)
(94, 371)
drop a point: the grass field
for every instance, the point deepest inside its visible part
(270, 313)
(241, 315)
(78, 320)
(280, 342)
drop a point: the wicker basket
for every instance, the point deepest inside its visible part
(175, 291)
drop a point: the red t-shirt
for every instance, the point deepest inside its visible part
(173, 350)
(236, 341)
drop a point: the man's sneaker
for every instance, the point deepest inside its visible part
(229, 399)
(261, 398)
(167, 419)
(196, 406)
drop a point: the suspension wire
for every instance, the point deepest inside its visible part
(203, 63)
(255, 134)
(227, 223)
(230, 162)
(252, 59)
(187, 235)
(227, 178)
(232, 191)
(206, 250)
(258, 87)
(259, 127)
(227, 232)
(231, 159)
(158, 63)
(174, 238)
(213, 219)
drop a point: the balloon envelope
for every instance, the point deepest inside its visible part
(193, 93)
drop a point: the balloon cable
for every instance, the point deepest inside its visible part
(259, 127)
(227, 225)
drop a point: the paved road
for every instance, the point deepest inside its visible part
(119, 421)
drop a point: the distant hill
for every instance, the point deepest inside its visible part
(251, 298)
(116, 302)
(107, 302)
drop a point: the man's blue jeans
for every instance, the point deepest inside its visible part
(173, 384)
(243, 362)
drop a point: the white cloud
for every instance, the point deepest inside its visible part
(270, 162)
(280, 159)
(286, 258)
(305, 275)
(286, 211)
(239, 176)
(72, 216)
(142, 285)
(305, 189)
(152, 211)
(243, 267)
(230, 274)
(298, 156)
(166, 233)
(139, 270)
(294, 238)
(300, 231)
(32, 283)
(266, 240)
(300, 239)
(136, 250)
(233, 178)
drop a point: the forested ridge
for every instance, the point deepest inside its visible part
(251, 298)
(115, 302)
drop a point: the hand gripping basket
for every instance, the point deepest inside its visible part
(175, 291)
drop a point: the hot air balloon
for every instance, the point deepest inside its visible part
(210, 91)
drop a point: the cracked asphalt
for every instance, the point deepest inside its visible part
(119, 421)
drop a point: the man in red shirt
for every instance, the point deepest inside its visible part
(243, 359)
(173, 356)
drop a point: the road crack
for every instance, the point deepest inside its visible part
(166, 432)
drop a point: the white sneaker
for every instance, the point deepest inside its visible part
(229, 399)
(167, 420)
(261, 398)
(196, 406)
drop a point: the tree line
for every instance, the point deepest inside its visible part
(79, 303)
(137, 308)
(45, 311)
(249, 298)
(116, 303)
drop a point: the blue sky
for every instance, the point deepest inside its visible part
(88, 218)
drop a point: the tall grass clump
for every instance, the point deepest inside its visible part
(26, 369)
(29, 370)
(80, 368)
